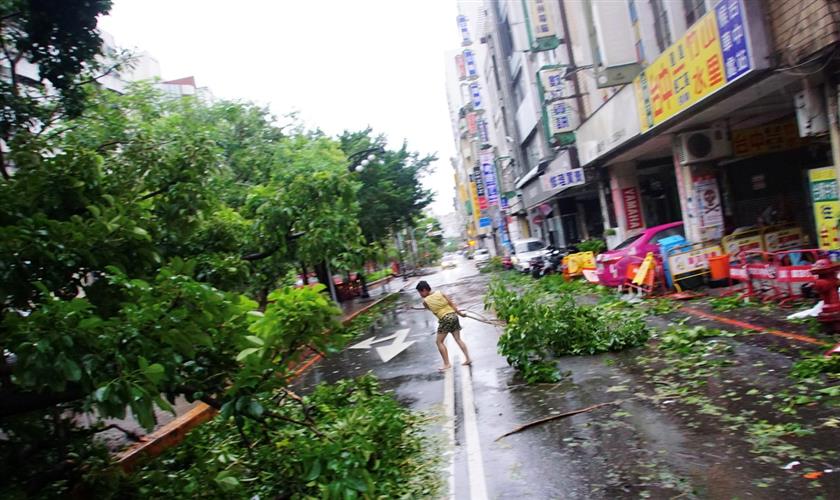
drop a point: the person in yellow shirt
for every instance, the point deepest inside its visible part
(447, 314)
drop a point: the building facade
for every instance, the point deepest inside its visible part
(619, 116)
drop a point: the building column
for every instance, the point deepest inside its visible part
(627, 199)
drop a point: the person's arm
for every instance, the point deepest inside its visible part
(452, 305)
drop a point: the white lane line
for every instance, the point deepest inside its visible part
(475, 462)
(449, 425)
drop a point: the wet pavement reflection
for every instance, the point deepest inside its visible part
(639, 448)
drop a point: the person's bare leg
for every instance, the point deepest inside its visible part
(457, 335)
(441, 337)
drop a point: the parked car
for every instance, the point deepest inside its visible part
(612, 265)
(524, 251)
(481, 256)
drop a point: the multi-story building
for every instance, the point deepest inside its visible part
(728, 123)
(622, 115)
(479, 196)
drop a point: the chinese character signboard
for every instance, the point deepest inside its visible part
(714, 52)
(465, 32)
(563, 180)
(733, 38)
(462, 70)
(472, 125)
(558, 117)
(488, 171)
(483, 132)
(553, 84)
(826, 206)
(475, 95)
(778, 136)
(632, 209)
(480, 192)
(541, 31)
(469, 61)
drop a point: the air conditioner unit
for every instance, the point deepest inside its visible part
(703, 145)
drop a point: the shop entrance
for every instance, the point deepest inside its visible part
(658, 188)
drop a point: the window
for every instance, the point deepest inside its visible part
(528, 246)
(661, 235)
(518, 90)
(694, 10)
(661, 25)
(629, 241)
(531, 153)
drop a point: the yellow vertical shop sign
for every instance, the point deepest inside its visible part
(689, 70)
(823, 183)
(476, 211)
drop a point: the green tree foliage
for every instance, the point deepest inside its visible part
(391, 196)
(145, 249)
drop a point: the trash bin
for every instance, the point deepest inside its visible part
(719, 267)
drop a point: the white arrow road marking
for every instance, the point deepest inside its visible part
(368, 343)
(390, 351)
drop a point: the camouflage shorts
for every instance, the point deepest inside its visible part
(449, 323)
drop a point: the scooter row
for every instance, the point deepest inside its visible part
(551, 262)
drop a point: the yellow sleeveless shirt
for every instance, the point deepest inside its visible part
(438, 305)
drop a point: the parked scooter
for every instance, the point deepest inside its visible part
(551, 263)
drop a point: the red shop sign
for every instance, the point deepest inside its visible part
(632, 210)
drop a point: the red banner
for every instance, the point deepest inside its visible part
(632, 210)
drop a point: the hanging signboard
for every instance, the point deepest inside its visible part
(465, 32)
(632, 209)
(714, 52)
(481, 193)
(459, 63)
(488, 172)
(483, 132)
(539, 20)
(823, 183)
(469, 61)
(558, 117)
(472, 124)
(475, 95)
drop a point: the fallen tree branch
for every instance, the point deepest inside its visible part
(556, 417)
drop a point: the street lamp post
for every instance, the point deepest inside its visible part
(358, 161)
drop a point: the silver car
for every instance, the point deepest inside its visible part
(482, 256)
(524, 251)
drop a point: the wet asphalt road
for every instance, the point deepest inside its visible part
(636, 449)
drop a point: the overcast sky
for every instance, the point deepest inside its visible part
(341, 64)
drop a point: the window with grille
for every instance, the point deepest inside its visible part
(694, 10)
(661, 25)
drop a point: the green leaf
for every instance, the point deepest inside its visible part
(139, 231)
(314, 471)
(255, 340)
(154, 372)
(71, 370)
(226, 481)
(244, 353)
(164, 405)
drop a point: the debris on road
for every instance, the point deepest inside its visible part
(557, 417)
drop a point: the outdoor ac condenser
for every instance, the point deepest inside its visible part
(704, 145)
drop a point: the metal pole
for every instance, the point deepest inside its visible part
(331, 283)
